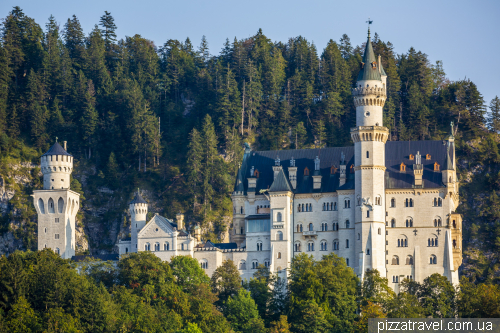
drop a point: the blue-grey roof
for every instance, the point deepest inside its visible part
(280, 184)
(396, 152)
(263, 162)
(138, 199)
(222, 246)
(368, 72)
(56, 149)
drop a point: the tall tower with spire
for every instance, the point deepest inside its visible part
(57, 204)
(369, 138)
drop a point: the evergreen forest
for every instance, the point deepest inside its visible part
(171, 119)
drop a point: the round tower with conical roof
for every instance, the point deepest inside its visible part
(56, 166)
(56, 204)
(138, 212)
(369, 138)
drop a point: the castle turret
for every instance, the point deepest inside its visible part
(138, 212)
(56, 204)
(56, 166)
(369, 138)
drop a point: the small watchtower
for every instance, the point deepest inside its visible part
(138, 213)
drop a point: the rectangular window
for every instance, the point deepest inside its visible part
(57, 236)
(57, 220)
(258, 225)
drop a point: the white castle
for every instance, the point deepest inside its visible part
(379, 205)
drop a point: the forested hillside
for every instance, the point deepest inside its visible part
(172, 118)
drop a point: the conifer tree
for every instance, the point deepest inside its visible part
(107, 22)
(494, 118)
(300, 135)
(194, 165)
(209, 160)
(75, 41)
(89, 116)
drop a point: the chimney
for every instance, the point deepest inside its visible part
(316, 174)
(418, 170)
(292, 173)
(379, 64)
(180, 221)
(277, 166)
(342, 177)
(65, 145)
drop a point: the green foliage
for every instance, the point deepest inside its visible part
(225, 281)
(241, 311)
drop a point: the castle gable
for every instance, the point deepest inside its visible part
(158, 226)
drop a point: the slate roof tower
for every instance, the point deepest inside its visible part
(369, 138)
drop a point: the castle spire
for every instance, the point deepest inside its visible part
(369, 70)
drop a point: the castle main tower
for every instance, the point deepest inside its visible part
(369, 138)
(56, 204)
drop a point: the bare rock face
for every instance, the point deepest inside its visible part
(82, 244)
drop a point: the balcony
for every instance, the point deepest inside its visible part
(263, 210)
(310, 234)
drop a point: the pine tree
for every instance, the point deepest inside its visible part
(345, 46)
(90, 117)
(494, 118)
(209, 160)
(320, 133)
(75, 41)
(107, 22)
(194, 165)
(300, 135)
(253, 94)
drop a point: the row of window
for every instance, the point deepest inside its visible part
(408, 202)
(166, 247)
(395, 278)
(323, 246)
(324, 226)
(409, 222)
(409, 260)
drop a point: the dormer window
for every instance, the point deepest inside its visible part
(436, 166)
(428, 156)
(374, 64)
(256, 173)
(352, 168)
(306, 171)
(333, 170)
(362, 65)
(402, 167)
(412, 157)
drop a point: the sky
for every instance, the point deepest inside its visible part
(461, 33)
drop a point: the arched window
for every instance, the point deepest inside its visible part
(306, 171)
(409, 222)
(393, 223)
(279, 217)
(60, 205)
(347, 262)
(147, 247)
(347, 224)
(334, 206)
(204, 263)
(41, 206)
(367, 252)
(347, 203)
(409, 260)
(335, 244)
(166, 246)
(279, 255)
(299, 208)
(311, 227)
(411, 202)
(324, 245)
(279, 236)
(310, 208)
(433, 260)
(346, 243)
(259, 246)
(324, 206)
(255, 264)
(242, 265)
(359, 236)
(379, 231)
(395, 260)
(297, 247)
(440, 202)
(58, 251)
(367, 154)
(393, 202)
(454, 224)
(51, 206)
(310, 246)
(157, 246)
(367, 213)
(407, 202)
